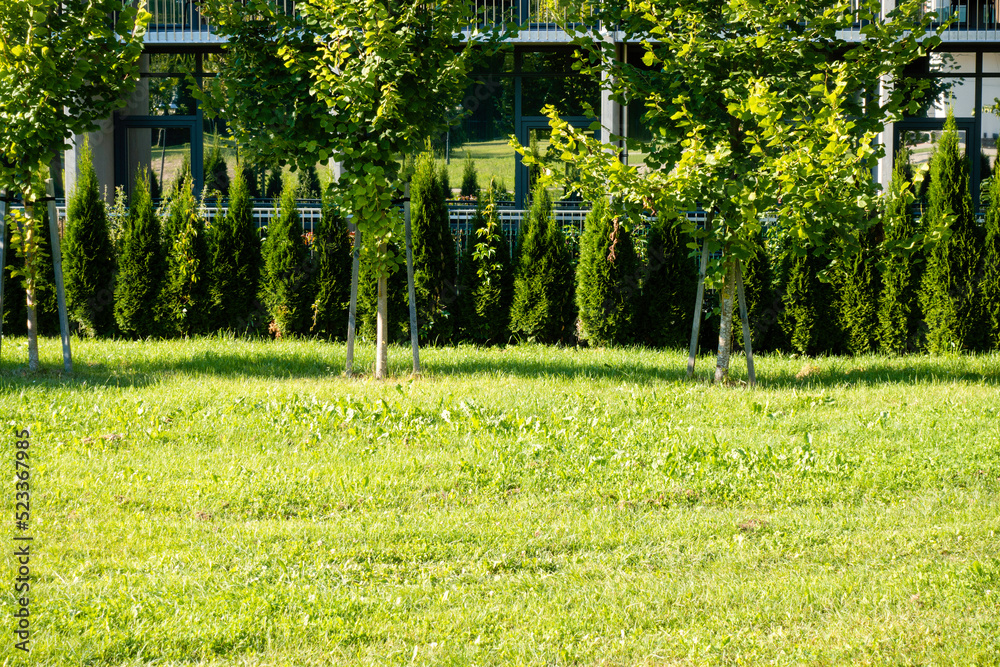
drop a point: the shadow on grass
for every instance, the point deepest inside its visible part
(129, 365)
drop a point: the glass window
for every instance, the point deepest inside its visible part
(956, 92)
(484, 133)
(991, 121)
(569, 94)
(991, 63)
(923, 142)
(164, 151)
(944, 62)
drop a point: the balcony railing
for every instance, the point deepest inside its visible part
(181, 21)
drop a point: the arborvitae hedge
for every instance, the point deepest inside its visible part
(331, 276)
(810, 318)
(284, 279)
(607, 280)
(434, 261)
(470, 180)
(216, 172)
(764, 305)
(236, 264)
(141, 267)
(900, 319)
(858, 285)
(989, 285)
(187, 299)
(668, 291)
(948, 293)
(543, 307)
(486, 283)
(88, 256)
(445, 181)
(309, 185)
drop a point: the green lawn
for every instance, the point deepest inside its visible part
(219, 502)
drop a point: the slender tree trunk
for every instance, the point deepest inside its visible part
(352, 312)
(382, 326)
(726, 323)
(28, 236)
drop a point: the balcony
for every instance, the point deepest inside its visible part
(974, 20)
(181, 23)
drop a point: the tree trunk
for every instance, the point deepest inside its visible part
(382, 326)
(727, 295)
(352, 312)
(28, 237)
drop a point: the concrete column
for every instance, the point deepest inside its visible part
(611, 115)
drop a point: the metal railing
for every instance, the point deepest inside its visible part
(181, 21)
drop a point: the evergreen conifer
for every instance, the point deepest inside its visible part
(607, 279)
(434, 262)
(668, 292)
(485, 280)
(187, 296)
(948, 292)
(989, 285)
(309, 185)
(899, 315)
(810, 317)
(284, 280)
(470, 180)
(236, 263)
(858, 284)
(543, 304)
(331, 275)
(141, 266)
(216, 172)
(88, 256)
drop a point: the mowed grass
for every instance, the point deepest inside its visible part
(222, 502)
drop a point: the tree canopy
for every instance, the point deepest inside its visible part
(753, 109)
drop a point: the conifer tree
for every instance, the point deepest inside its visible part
(900, 318)
(485, 280)
(858, 286)
(810, 317)
(470, 180)
(88, 256)
(284, 282)
(668, 292)
(763, 302)
(543, 305)
(216, 172)
(187, 294)
(607, 279)
(331, 275)
(236, 263)
(141, 266)
(445, 180)
(309, 185)
(434, 263)
(948, 292)
(989, 285)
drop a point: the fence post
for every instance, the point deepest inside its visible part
(57, 266)
(3, 254)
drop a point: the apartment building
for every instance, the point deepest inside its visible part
(162, 125)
